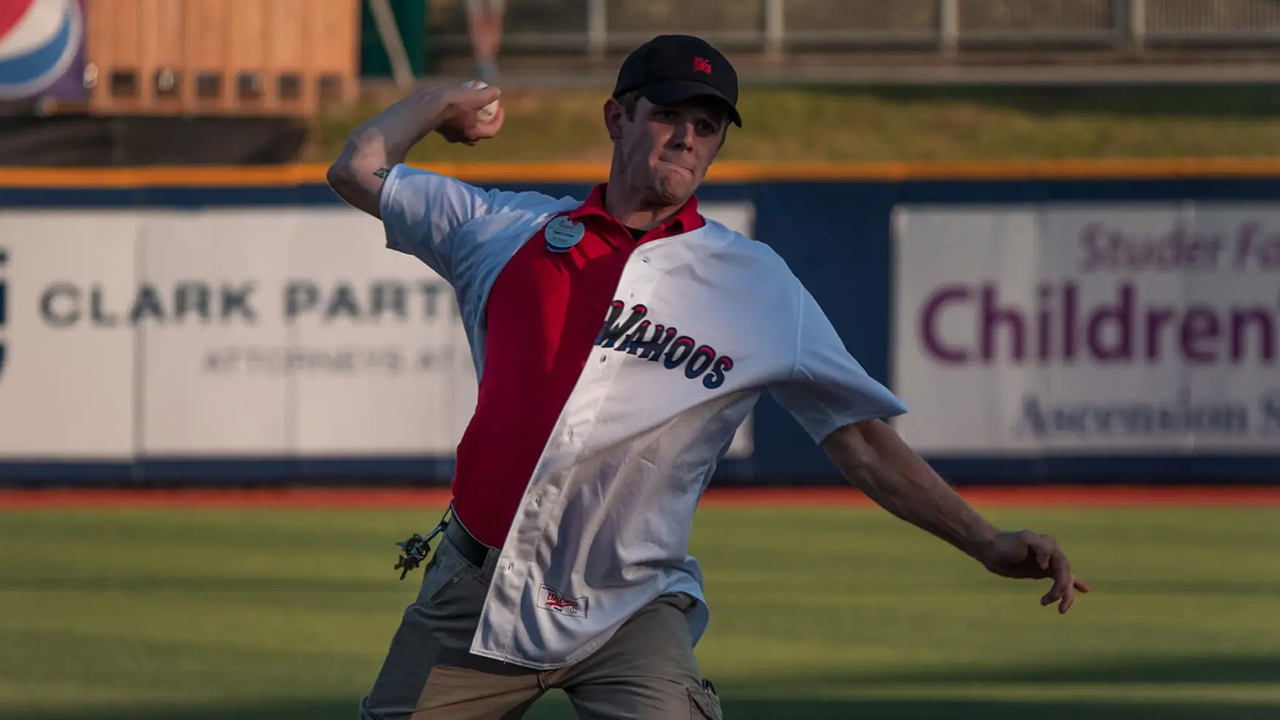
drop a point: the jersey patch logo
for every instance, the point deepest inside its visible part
(562, 234)
(551, 599)
(647, 340)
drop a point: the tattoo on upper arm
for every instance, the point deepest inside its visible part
(382, 172)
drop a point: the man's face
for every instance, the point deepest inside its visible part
(665, 150)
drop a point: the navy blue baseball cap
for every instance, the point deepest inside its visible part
(673, 68)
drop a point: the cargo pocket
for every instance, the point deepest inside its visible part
(704, 704)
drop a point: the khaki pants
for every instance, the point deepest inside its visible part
(646, 671)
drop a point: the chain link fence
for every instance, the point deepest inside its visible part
(780, 26)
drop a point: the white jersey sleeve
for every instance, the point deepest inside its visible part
(827, 388)
(422, 213)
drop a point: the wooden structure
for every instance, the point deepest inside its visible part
(221, 57)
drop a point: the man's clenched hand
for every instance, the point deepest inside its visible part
(460, 121)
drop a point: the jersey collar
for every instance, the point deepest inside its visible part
(685, 220)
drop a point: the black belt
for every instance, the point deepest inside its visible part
(471, 549)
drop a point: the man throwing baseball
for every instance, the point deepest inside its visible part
(619, 343)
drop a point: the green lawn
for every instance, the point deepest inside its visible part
(906, 123)
(816, 613)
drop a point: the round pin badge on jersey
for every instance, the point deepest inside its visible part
(563, 233)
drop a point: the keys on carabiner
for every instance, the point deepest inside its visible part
(416, 549)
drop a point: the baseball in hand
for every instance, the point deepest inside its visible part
(488, 112)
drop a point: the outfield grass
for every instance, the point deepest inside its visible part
(837, 612)
(906, 123)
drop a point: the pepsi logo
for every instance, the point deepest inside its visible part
(39, 40)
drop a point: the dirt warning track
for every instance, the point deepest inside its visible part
(399, 498)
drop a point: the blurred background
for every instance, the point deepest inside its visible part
(1051, 226)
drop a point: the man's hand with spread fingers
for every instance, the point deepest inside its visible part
(1027, 555)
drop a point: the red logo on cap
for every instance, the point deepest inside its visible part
(702, 65)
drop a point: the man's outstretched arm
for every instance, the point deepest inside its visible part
(384, 140)
(875, 459)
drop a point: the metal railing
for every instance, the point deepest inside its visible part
(599, 27)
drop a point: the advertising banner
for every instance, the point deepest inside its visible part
(280, 331)
(67, 374)
(1088, 328)
(42, 50)
(230, 333)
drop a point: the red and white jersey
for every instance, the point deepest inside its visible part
(702, 323)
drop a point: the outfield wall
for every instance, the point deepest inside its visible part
(1045, 322)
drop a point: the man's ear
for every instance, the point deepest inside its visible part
(614, 115)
